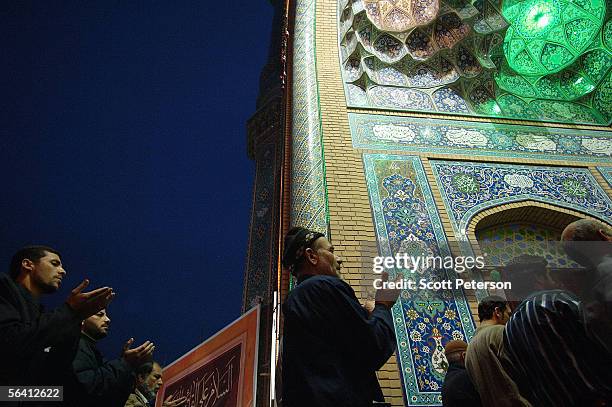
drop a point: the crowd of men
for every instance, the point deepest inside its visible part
(59, 347)
(551, 347)
(543, 346)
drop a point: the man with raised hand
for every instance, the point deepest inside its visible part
(37, 347)
(105, 383)
(331, 346)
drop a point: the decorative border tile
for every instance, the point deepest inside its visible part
(405, 213)
(259, 260)
(606, 172)
(468, 188)
(308, 190)
(481, 139)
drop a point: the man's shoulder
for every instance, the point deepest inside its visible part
(9, 290)
(320, 283)
(134, 401)
(321, 287)
(550, 300)
(489, 329)
(87, 347)
(6, 282)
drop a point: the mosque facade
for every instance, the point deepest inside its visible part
(436, 127)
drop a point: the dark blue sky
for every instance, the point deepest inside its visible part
(123, 144)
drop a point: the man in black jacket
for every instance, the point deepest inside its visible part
(458, 390)
(37, 347)
(106, 383)
(332, 346)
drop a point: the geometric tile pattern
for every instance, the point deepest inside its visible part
(543, 60)
(260, 234)
(546, 36)
(503, 243)
(468, 188)
(479, 139)
(308, 190)
(406, 221)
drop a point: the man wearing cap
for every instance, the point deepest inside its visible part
(331, 346)
(458, 390)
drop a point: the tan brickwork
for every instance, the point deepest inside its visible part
(351, 226)
(352, 230)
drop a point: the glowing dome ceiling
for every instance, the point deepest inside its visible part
(533, 59)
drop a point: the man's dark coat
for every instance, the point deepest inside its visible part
(331, 347)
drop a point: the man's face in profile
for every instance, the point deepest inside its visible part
(97, 326)
(329, 262)
(47, 272)
(154, 379)
(505, 315)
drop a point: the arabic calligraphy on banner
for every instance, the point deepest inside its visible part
(214, 384)
(221, 371)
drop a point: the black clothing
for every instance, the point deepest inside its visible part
(102, 383)
(36, 347)
(331, 348)
(458, 390)
(570, 368)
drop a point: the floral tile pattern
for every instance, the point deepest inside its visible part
(468, 188)
(406, 221)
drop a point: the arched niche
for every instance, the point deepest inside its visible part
(528, 227)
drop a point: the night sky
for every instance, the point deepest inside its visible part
(123, 145)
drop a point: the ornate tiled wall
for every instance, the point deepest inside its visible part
(407, 221)
(449, 61)
(503, 243)
(532, 59)
(481, 139)
(469, 187)
(308, 191)
(406, 216)
(260, 259)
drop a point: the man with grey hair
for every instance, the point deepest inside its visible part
(589, 242)
(149, 379)
(569, 332)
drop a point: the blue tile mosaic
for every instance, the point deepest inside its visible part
(308, 190)
(406, 221)
(468, 188)
(260, 254)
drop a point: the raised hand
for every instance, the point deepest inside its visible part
(139, 355)
(169, 402)
(387, 297)
(89, 303)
